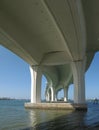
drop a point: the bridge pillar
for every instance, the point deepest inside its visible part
(56, 95)
(52, 93)
(35, 84)
(65, 94)
(47, 96)
(78, 68)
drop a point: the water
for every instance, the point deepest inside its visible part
(13, 116)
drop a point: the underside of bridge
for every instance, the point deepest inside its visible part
(58, 38)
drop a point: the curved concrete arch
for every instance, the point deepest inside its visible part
(12, 45)
(51, 74)
(73, 25)
(50, 92)
(64, 78)
(53, 36)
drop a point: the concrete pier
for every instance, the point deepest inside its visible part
(56, 106)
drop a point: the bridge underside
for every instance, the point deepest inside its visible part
(57, 38)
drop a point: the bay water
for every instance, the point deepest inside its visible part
(13, 116)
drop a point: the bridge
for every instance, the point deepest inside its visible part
(58, 38)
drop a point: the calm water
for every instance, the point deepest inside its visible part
(13, 116)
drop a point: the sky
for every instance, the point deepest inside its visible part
(15, 81)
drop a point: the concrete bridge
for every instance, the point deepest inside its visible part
(58, 38)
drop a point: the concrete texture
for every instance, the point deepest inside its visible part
(62, 106)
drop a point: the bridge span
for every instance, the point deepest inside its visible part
(58, 38)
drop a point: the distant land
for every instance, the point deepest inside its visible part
(8, 98)
(69, 100)
(5, 98)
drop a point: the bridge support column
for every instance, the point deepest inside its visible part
(56, 95)
(52, 93)
(49, 92)
(78, 68)
(65, 94)
(47, 96)
(35, 84)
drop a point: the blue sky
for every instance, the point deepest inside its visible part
(15, 80)
(92, 78)
(15, 77)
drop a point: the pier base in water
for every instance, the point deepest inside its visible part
(55, 106)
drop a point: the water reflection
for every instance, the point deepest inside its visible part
(40, 116)
(13, 116)
(56, 120)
